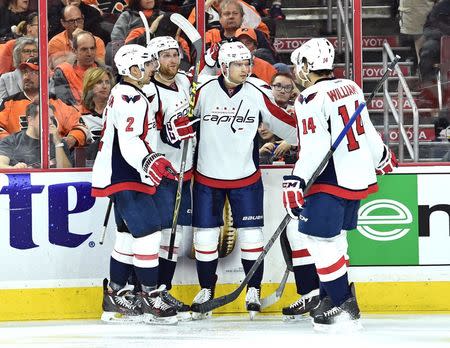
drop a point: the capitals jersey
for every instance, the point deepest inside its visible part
(322, 112)
(171, 102)
(128, 136)
(227, 150)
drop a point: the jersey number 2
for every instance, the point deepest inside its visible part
(352, 142)
(129, 127)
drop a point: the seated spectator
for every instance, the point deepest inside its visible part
(29, 29)
(23, 149)
(11, 82)
(97, 84)
(93, 21)
(231, 17)
(67, 80)
(12, 109)
(261, 68)
(284, 91)
(73, 22)
(14, 12)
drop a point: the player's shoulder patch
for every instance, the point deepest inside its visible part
(131, 99)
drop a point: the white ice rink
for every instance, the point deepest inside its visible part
(412, 330)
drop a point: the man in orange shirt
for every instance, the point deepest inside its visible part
(67, 80)
(73, 22)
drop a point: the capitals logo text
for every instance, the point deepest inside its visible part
(229, 115)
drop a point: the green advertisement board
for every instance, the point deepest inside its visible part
(387, 232)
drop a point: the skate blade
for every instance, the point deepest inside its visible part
(252, 314)
(341, 327)
(118, 318)
(153, 320)
(184, 316)
(201, 316)
(295, 318)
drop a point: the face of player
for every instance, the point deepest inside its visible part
(302, 76)
(149, 69)
(282, 88)
(239, 71)
(169, 61)
(102, 88)
(147, 4)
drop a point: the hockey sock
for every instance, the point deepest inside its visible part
(166, 271)
(338, 289)
(133, 280)
(119, 272)
(207, 273)
(306, 278)
(323, 292)
(256, 280)
(147, 276)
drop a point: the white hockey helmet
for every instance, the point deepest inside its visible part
(232, 52)
(130, 55)
(162, 43)
(319, 55)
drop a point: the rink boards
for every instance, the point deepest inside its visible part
(53, 265)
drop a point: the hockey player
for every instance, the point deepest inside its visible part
(171, 90)
(128, 170)
(331, 206)
(230, 107)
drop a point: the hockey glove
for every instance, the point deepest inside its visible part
(388, 162)
(293, 195)
(178, 129)
(157, 167)
(211, 55)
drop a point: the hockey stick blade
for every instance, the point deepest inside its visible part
(223, 300)
(276, 295)
(186, 27)
(147, 29)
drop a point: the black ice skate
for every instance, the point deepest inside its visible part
(118, 307)
(155, 309)
(324, 305)
(346, 316)
(205, 294)
(183, 310)
(252, 302)
(300, 309)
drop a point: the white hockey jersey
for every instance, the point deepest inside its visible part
(227, 150)
(172, 102)
(129, 135)
(322, 112)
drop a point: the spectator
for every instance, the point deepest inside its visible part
(275, 10)
(261, 68)
(73, 22)
(14, 12)
(67, 80)
(12, 109)
(93, 21)
(23, 149)
(97, 84)
(413, 14)
(11, 82)
(271, 147)
(28, 28)
(231, 18)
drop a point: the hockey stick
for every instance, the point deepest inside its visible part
(147, 29)
(275, 296)
(197, 43)
(105, 222)
(223, 300)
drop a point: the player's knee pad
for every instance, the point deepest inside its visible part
(123, 248)
(146, 250)
(328, 256)
(166, 234)
(205, 243)
(299, 252)
(251, 241)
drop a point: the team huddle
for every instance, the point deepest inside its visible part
(146, 128)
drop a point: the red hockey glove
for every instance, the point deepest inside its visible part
(180, 128)
(157, 167)
(293, 195)
(388, 162)
(211, 55)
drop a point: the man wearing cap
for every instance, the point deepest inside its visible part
(12, 109)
